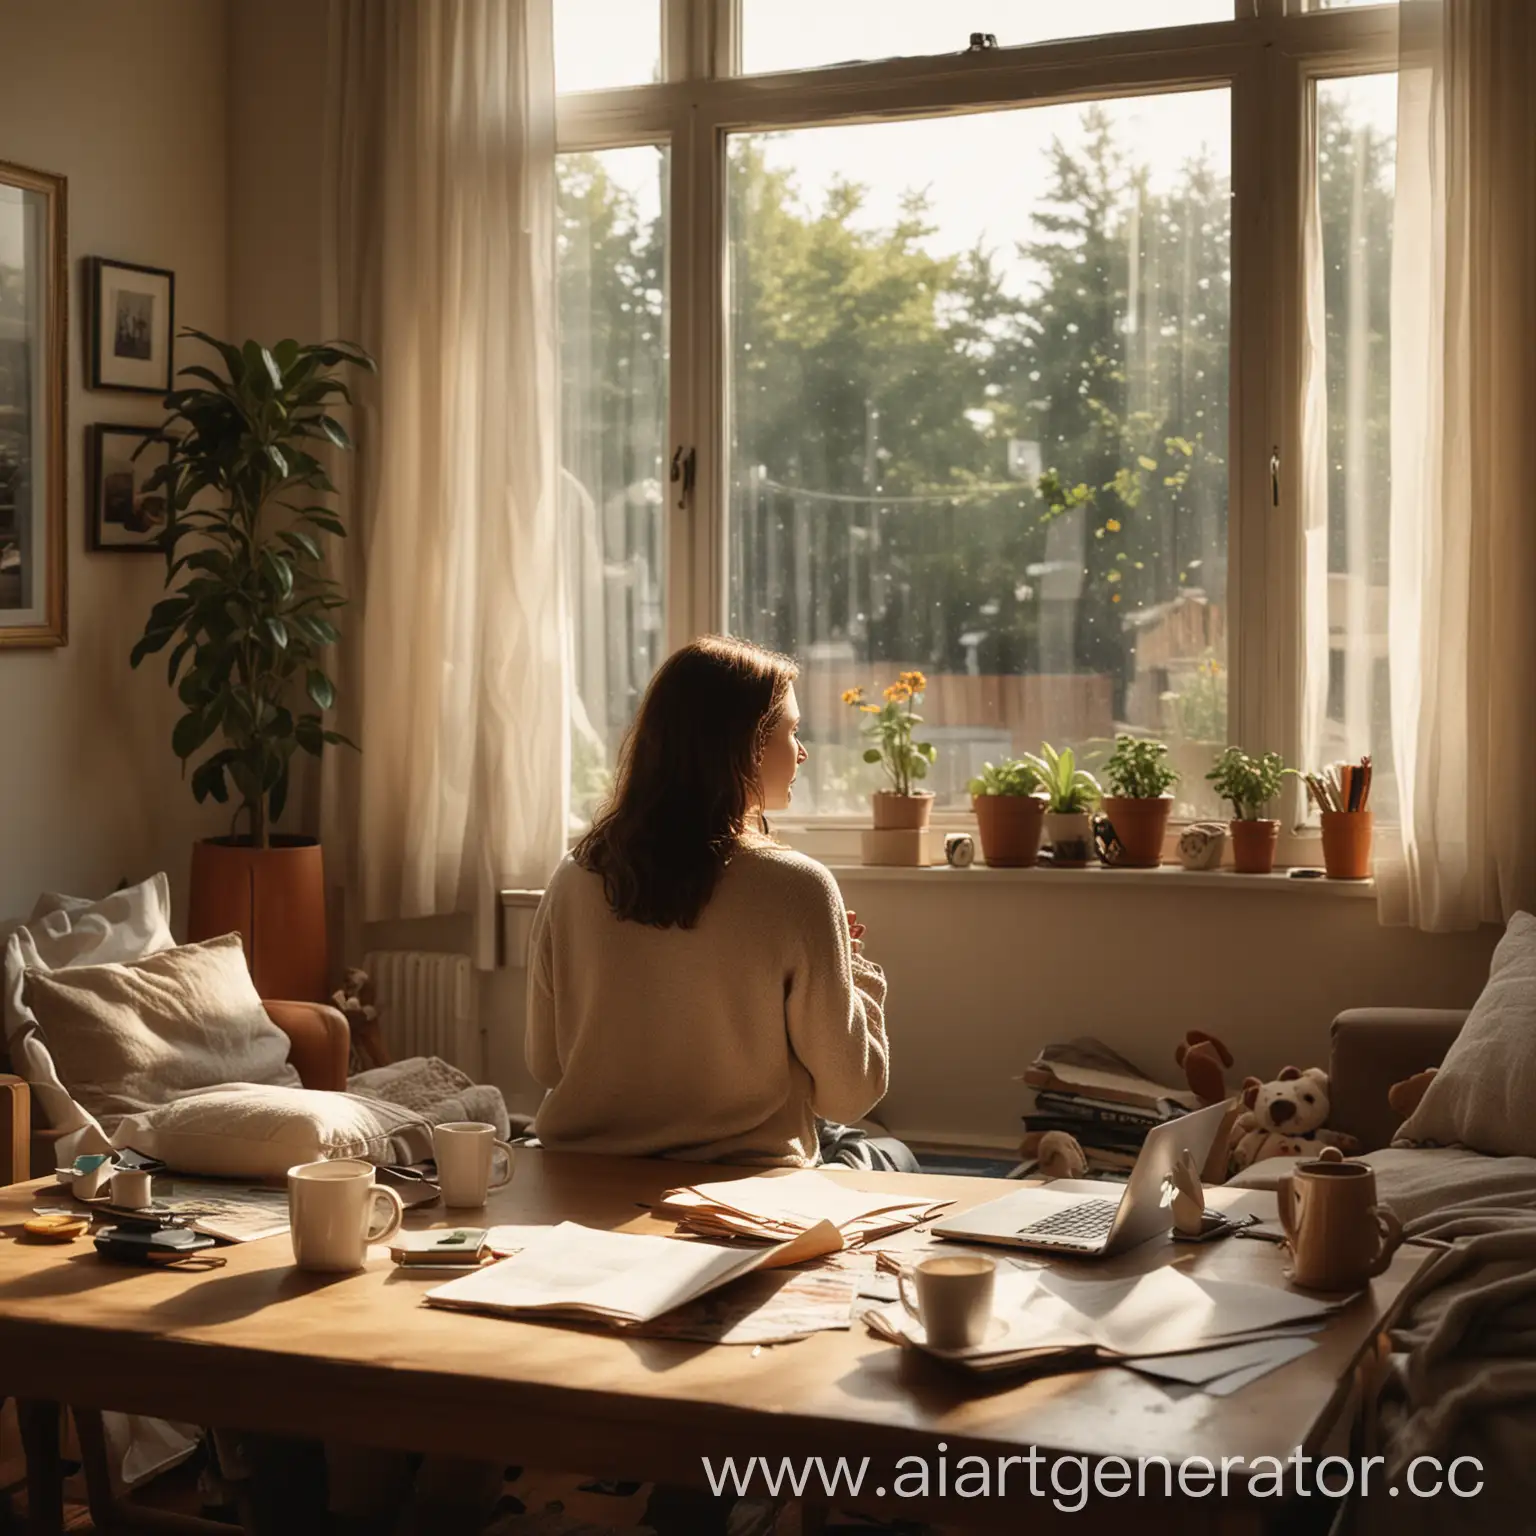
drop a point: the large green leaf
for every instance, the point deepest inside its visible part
(320, 688)
(191, 731)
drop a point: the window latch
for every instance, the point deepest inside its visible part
(684, 466)
(1274, 475)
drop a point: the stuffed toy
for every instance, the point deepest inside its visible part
(1204, 1059)
(1057, 1155)
(1284, 1118)
(1406, 1096)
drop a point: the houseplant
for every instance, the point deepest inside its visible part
(1071, 795)
(1249, 784)
(1140, 778)
(905, 761)
(1010, 811)
(249, 619)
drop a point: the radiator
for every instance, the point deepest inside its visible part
(427, 1007)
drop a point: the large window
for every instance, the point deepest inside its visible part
(989, 369)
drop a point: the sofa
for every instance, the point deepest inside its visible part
(319, 1044)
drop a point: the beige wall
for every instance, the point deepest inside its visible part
(128, 102)
(983, 972)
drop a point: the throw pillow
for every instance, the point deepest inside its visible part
(256, 1130)
(66, 931)
(1482, 1095)
(130, 1037)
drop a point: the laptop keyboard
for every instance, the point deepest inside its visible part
(1086, 1222)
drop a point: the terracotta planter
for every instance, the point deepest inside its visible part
(1347, 844)
(1139, 827)
(1071, 835)
(901, 812)
(1253, 846)
(1010, 828)
(274, 898)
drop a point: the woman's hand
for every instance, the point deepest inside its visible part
(856, 932)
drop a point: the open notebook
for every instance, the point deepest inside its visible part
(618, 1277)
(773, 1207)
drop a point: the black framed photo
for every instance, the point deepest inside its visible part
(123, 515)
(133, 320)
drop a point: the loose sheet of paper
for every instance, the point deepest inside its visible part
(764, 1308)
(1205, 1367)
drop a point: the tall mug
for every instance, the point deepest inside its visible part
(1338, 1235)
(334, 1213)
(464, 1151)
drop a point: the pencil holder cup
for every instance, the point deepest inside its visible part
(1347, 844)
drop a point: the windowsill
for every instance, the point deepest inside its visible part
(1167, 878)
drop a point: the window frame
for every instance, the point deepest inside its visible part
(1269, 56)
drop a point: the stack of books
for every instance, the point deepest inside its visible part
(1094, 1094)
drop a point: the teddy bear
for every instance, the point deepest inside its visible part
(1285, 1118)
(1056, 1154)
(1204, 1059)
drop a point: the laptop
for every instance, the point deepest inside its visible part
(1077, 1216)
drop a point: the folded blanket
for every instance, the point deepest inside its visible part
(436, 1090)
(1462, 1377)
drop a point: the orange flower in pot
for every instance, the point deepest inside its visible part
(1250, 784)
(905, 761)
(1010, 812)
(1140, 778)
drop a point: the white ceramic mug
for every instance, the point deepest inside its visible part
(131, 1189)
(464, 1151)
(334, 1213)
(952, 1300)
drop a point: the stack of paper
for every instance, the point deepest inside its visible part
(618, 1277)
(1047, 1321)
(777, 1206)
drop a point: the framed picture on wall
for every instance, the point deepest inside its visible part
(123, 515)
(33, 327)
(133, 317)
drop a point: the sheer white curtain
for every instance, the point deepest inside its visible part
(440, 252)
(1462, 628)
(1460, 519)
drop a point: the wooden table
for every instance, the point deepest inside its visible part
(261, 1346)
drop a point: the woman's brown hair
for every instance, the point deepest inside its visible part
(687, 780)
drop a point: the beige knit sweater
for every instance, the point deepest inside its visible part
(717, 1042)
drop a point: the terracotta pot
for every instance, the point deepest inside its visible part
(1010, 828)
(1253, 846)
(1071, 835)
(274, 898)
(1139, 827)
(1347, 844)
(901, 812)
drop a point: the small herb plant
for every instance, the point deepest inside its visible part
(1069, 789)
(1248, 783)
(1138, 769)
(890, 728)
(1012, 776)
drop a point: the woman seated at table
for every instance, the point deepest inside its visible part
(697, 990)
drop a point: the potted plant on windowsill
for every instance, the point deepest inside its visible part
(1140, 778)
(1010, 812)
(1249, 784)
(252, 613)
(901, 807)
(1071, 795)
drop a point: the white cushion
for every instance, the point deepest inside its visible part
(63, 932)
(256, 1130)
(1483, 1094)
(130, 1037)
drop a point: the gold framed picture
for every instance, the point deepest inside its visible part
(33, 331)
